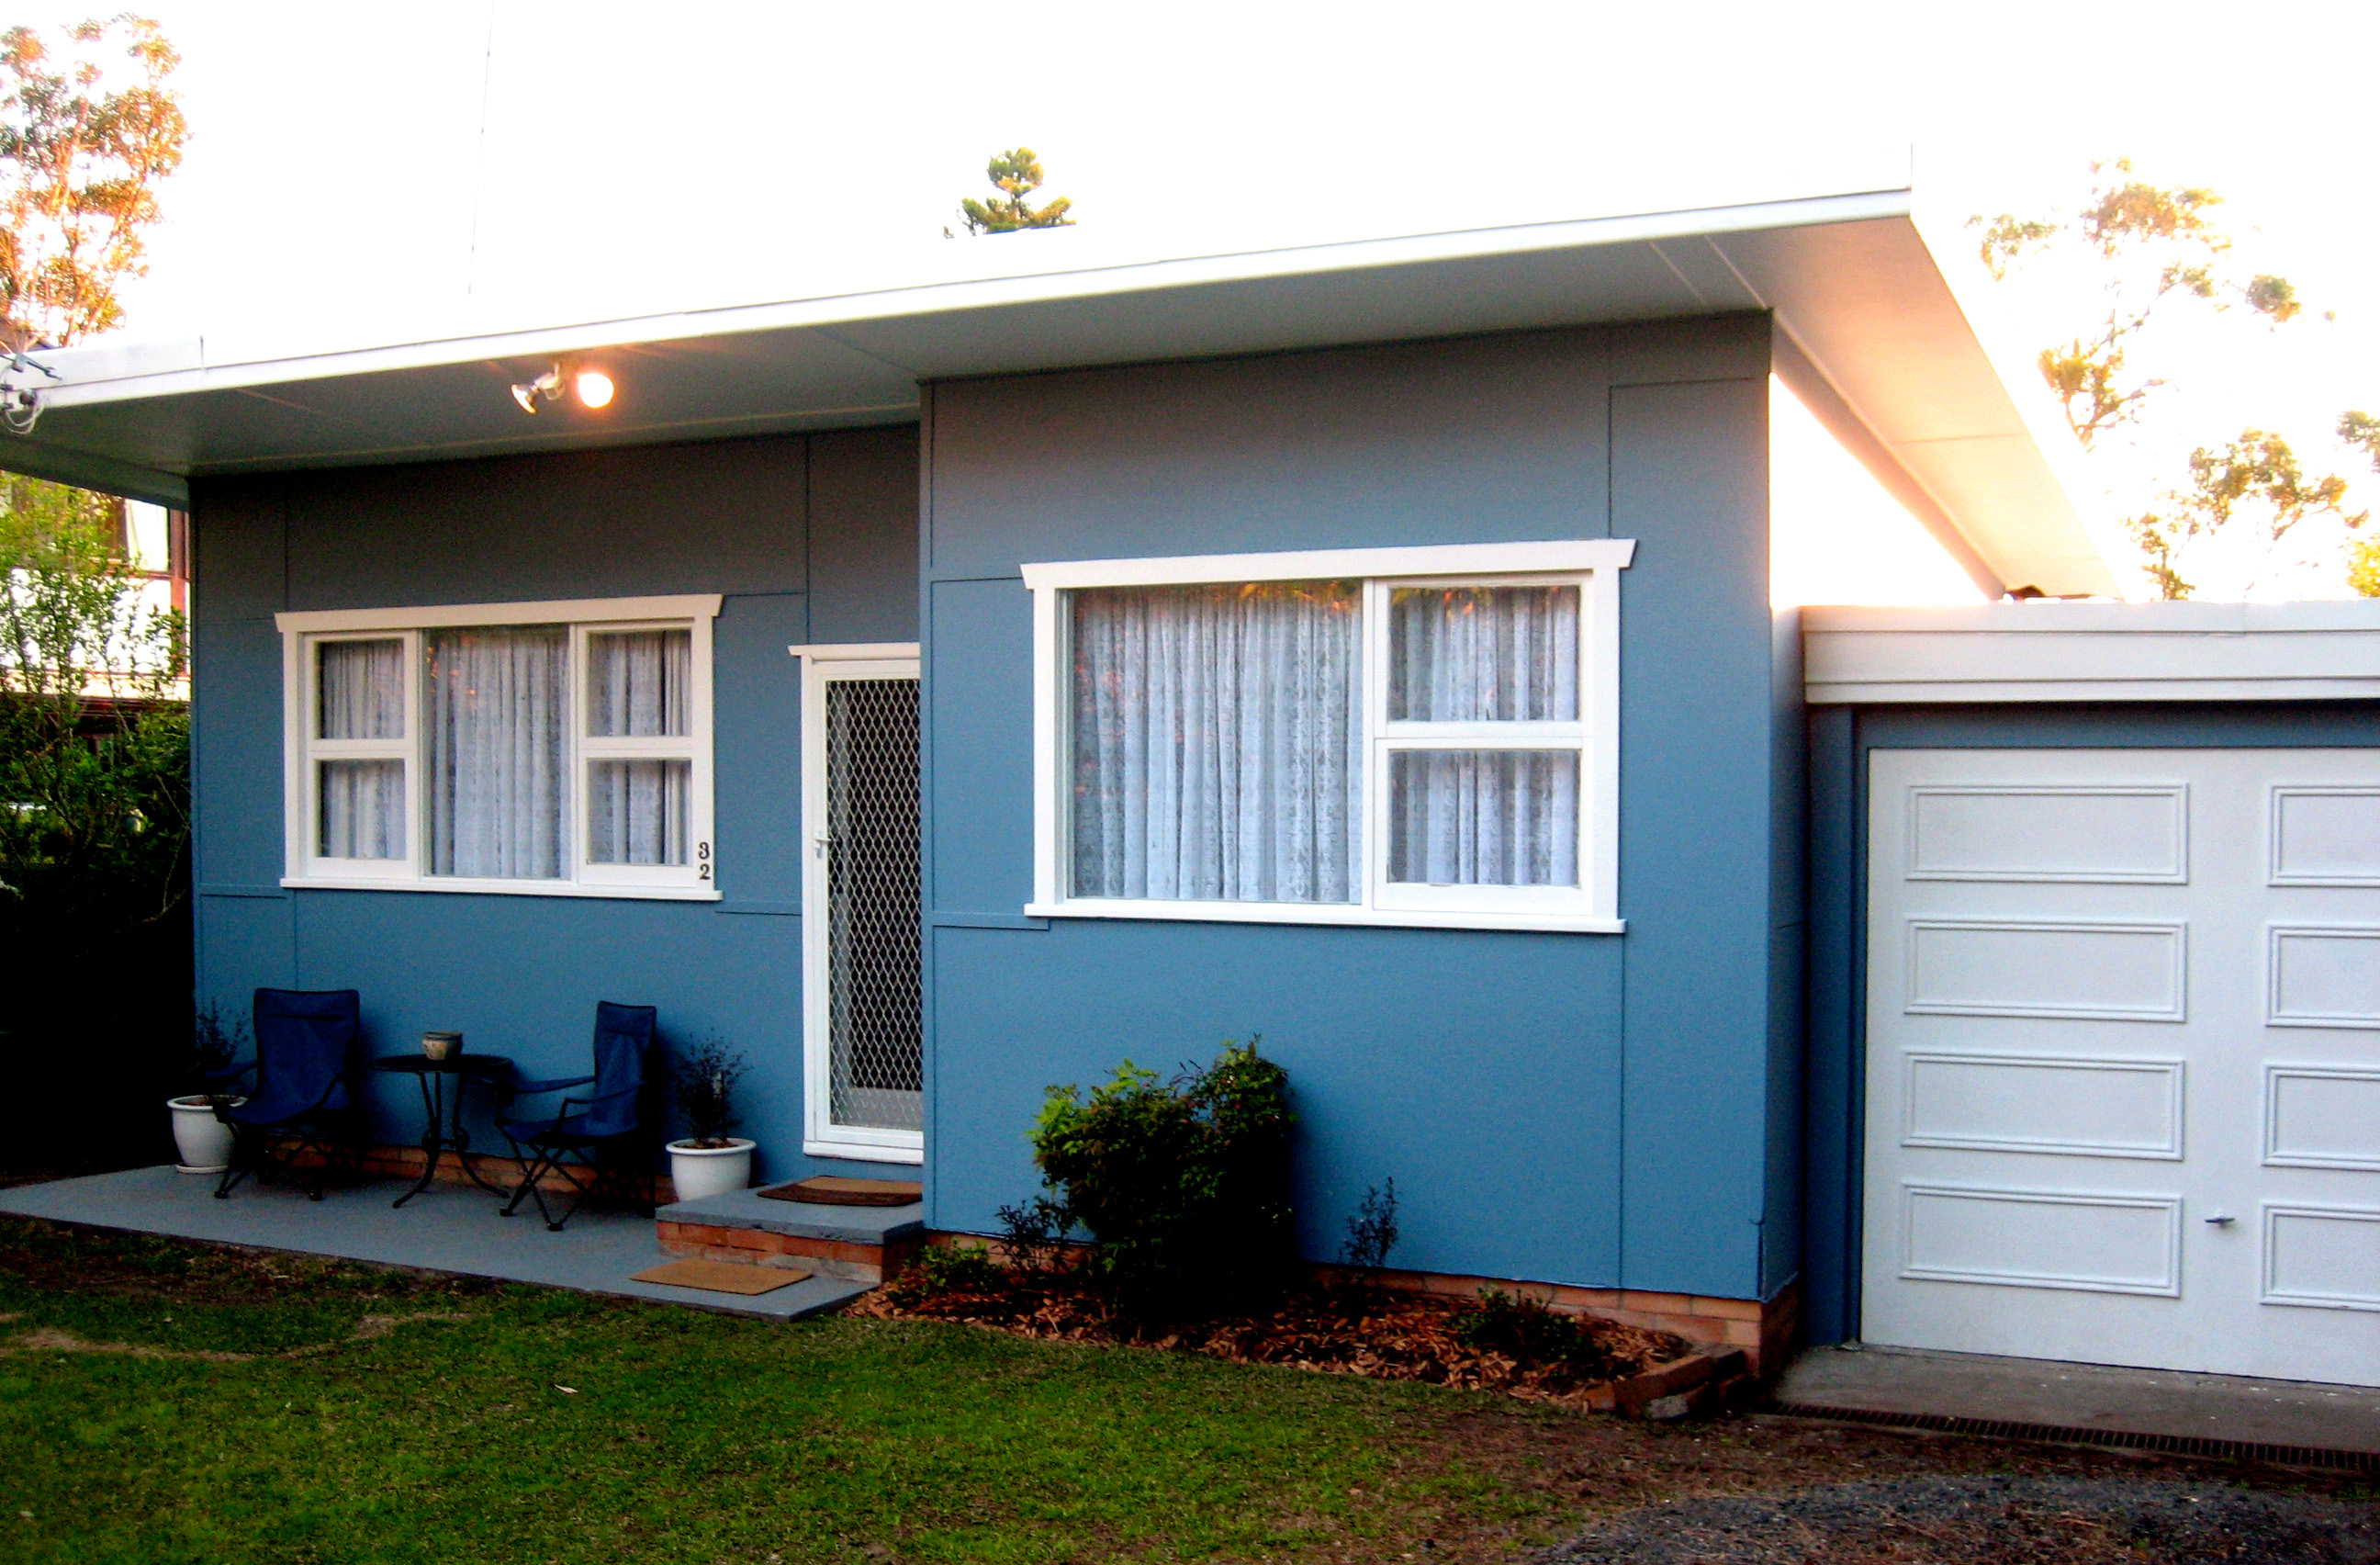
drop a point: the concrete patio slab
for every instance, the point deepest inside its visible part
(447, 1229)
(2084, 1398)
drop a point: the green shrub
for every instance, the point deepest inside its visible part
(967, 1268)
(1534, 1336)
(1182, 1185)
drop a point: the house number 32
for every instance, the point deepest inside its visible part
(702, 857)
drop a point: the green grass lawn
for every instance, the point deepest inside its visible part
(161, 1402)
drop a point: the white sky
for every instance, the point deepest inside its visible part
(339, 165)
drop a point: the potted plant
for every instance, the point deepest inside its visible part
(709, 1161)
(200, 1133)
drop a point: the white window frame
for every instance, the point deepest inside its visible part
(821, 1137)
(1594, 564)
(696, 880)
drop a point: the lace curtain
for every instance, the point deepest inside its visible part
(1483, 656)
(638, 686)
(359, 692)
(497, 700)
(1216, 742)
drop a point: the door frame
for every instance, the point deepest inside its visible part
(820, 1137)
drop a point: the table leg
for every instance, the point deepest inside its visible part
(433, 1105)
(463, 1145)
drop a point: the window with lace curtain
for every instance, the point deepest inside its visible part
(562, 748)
(1372, 736)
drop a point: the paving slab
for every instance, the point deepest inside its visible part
(445, 1229)
(2096, 1398)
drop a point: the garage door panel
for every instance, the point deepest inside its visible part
(2320, 1257)
(2047, 833)
(2040, 1104)
(2326, 836)
(2046, 968)
(2322, 1117)
(2323, 976)
(2041, 1239)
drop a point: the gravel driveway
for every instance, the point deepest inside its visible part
(1987, 1520)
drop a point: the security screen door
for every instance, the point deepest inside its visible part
(862, 1032)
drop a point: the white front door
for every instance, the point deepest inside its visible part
(861, 1023)
(2124, 1063)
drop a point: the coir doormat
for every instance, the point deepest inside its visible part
(722, 1277)
(833, 1190)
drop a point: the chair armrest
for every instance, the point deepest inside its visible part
(553, 1085)
(232, 1074)
(570, 1104)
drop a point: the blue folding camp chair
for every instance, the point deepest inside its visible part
(308, 1054)
(602, 1130)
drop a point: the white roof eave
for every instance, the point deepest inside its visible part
(1889, 358)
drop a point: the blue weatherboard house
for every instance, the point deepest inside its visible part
(946, 683)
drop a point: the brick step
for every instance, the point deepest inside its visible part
(857, 1243)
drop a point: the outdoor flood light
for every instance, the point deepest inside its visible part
(594, 388)
(548, 386)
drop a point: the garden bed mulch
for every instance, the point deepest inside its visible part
(1342, 1331)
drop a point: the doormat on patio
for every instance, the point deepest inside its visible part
(722, 1277)
(832, 1190)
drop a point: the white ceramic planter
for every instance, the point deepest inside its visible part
(700, 1172)
(203, 1141)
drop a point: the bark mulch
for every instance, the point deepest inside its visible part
(1984, 1520)
(1343, 1331)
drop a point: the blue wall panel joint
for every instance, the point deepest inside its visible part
(985, 920)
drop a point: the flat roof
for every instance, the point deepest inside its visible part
(1871, 337)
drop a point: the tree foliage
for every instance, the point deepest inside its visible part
(2157, 245)
(86, 134)
(1016, 174)
(94, 800)
(2361, 431)
(2257, 471)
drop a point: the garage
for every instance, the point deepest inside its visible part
(2116, 1091)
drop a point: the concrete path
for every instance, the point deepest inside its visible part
(445, 1229)
(2095, 1398)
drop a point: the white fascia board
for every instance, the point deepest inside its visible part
(2093, 652)
(1305, 565)
(108, 373)
(557, 611)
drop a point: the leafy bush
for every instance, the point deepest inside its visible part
(966, 1268)
(1534, 1335)
(1182, 1185)
(703, 1081)
(1372, 1231)
(214, 1050)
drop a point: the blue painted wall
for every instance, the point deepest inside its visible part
(1586, 1109)
(808, 539)
(1841, 740)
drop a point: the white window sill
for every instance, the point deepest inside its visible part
(863, 1151)
(1281, 912)
(505, 887)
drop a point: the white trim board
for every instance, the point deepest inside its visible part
(555, 611)
(2041, 652)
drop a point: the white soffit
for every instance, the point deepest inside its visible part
(1871, 337)
(2038, 651)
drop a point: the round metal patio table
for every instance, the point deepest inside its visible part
(441, 1128)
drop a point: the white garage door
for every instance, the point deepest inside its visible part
(2123, 1081)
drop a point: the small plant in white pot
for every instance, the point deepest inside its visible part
(709, 1161)
(200, 1133)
